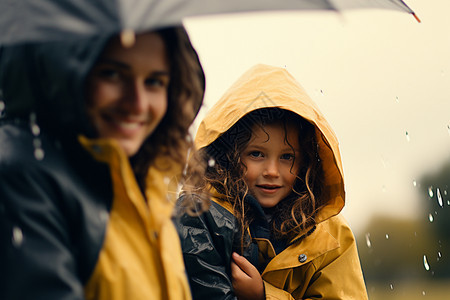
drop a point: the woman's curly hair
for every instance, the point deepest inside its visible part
(185, 94)
(297, 211)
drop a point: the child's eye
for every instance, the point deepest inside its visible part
(287, 156)
(255, 154)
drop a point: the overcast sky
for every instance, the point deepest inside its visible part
(381, 79)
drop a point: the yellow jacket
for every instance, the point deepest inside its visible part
(325, 265)
(140, 257)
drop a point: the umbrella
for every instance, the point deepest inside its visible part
(24, 21)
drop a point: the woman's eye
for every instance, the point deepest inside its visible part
(287, 156)
(107, 73)
(156, 82)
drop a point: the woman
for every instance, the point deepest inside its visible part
(93, 132)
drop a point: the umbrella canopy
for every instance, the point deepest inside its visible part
(23, 21)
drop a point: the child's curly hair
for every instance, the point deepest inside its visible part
(297, 211)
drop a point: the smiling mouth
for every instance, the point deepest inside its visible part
(268, 188)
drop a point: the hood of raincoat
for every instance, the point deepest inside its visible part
(46, 82)
(266, 86)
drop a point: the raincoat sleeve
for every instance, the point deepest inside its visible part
(36, 257)
(207, 244)
(336, 274)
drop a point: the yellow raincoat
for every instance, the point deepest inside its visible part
(140, 257)
(325, 265)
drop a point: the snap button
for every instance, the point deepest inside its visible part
(302, 258)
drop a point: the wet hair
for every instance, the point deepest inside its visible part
(171, 138)
(297, 211)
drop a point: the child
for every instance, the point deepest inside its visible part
(93, 129)
(276, 182)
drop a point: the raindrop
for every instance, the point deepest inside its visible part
(17, 236)
(2, 108)
(430, 191)
(391, 286)
(414, 183)
(396, 99)
(430, 217)
(35, 129)
(166, 180)
(408, 138)
(448, 128)
(445, 192)
(103, 215)
(448, 202)
(211, 162)
(387, 236)
(368, 242)
(439, 254)
(423, 293)
(439, 197)
(33, 118)
(425, 263)
(383, 188)
(39, 153)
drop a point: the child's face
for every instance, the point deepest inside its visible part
(270, 166)
(127, 91)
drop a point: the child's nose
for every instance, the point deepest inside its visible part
(271, 169)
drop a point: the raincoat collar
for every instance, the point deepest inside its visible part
(266, 86)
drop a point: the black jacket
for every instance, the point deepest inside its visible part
(207, 241)
(50, 230)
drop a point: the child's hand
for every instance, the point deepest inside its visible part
(247, 283)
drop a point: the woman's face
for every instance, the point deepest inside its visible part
(128, 90)
(271, 163)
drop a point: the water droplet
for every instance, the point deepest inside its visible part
(445, 192)
(430, 217)
(39, 153)
(383, 188)
(423, 293)
(414, 183)
(448, 202)
(103, 215)
(32, 118)
(448, 128)
(430, 191)
(408, 138)
(211, 162)
(35, 129)
(425, 263)
(166, 180)
(391, 286)
(17, 236)
(387, 236)
(2, 108)
(396, 99)
(439, 197)
(439, 254)
(368, 242)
